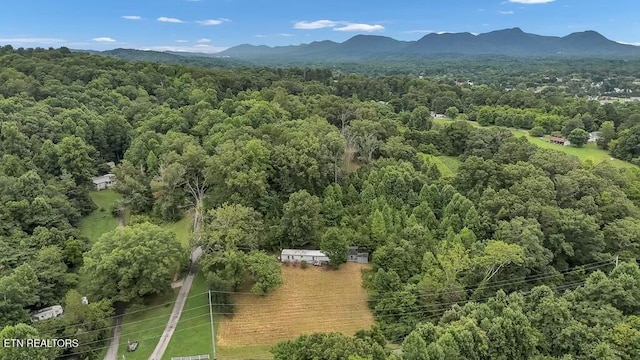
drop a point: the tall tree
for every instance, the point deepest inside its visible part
(233, 227)
(301, 219)
(335, 245)
(134, 261)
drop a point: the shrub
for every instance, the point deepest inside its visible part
(537, 131)
(304, 264)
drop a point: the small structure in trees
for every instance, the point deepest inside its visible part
(47, 313)
(355, 256)
(104, 182)
(594, 136)
(559, 141)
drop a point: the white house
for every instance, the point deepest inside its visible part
(47, 313)
(104, 182)
(310, 256)
(594, 136)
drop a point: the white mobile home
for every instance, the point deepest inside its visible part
(47, 313)
(310, 256)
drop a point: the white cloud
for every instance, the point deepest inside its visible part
(204, 40)
(200, 48)
(360, 27)
(312, 25)
(629, 43)
(29, 40)
(170, 20)
(131, 17)
(506, 12)
(104, 39)
(212, 21)
(261, 36)
(531, 2)
(285, 34)
(182, 41)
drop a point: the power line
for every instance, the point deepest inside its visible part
(440, 311)
(122, 343)
(62, 327)
(464, 290)
(590, 266)
(140, 321)
(436, 308)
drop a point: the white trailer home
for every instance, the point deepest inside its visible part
(310, 256)
(47, 313)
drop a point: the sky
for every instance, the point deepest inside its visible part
(209, 26)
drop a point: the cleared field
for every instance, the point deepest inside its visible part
(182, 229)
(448, 165)
(310, 300)
(589, 152)
(100, 220)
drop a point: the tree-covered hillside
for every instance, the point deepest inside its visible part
(514, 257)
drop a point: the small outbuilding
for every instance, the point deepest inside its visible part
(356, 256)
(47, 313)
(104, 182)
(559, 141)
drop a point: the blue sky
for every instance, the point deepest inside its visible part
(213, 25)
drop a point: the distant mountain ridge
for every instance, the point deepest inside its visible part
(508, 42)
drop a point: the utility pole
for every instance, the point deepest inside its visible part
(616, 260)
(213, 332)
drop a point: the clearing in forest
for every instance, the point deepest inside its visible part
(310, 300)
(101, 220)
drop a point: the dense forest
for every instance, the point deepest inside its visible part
(525, 253)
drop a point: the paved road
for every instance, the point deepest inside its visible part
(112, 352)
(177, 309)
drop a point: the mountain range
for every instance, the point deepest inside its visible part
(508, 42)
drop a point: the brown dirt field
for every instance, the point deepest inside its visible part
(310, 300)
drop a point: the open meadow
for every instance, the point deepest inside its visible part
(310, 300)
(101, 220)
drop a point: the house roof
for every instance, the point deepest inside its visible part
(560, 139)
(289, 252)
(103, 179)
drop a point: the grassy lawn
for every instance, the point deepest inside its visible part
(589, 152)
(448, 165)
(146, 326)
(100, 220)
(182, 229)
(193, 333)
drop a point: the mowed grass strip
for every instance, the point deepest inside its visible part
(146, 326)
(193, 332)
(310, 300)
(101, 220)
